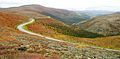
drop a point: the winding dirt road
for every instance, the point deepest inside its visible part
(21, 28)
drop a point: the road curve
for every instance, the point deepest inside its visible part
(21, 28)
(31, 20)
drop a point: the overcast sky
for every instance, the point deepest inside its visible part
(66, 4)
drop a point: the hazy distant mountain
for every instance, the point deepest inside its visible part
(65, 16)
(83, 14)
(106, 25)
(94, 13)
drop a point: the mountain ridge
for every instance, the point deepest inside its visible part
(65, 16)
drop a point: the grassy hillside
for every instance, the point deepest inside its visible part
(17, 45)
(51, 27)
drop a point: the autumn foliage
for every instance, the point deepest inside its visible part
(10, 20)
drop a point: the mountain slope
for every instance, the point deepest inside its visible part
(56, 29)
(105, 25)
(65, 16)
(50, 26)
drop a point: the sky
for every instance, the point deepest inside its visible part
(66, 4)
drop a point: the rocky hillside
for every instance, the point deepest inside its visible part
(105, 25)
(65, 16)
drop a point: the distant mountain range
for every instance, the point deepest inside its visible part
(65, 16)
(107, 8)
(94, 13)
